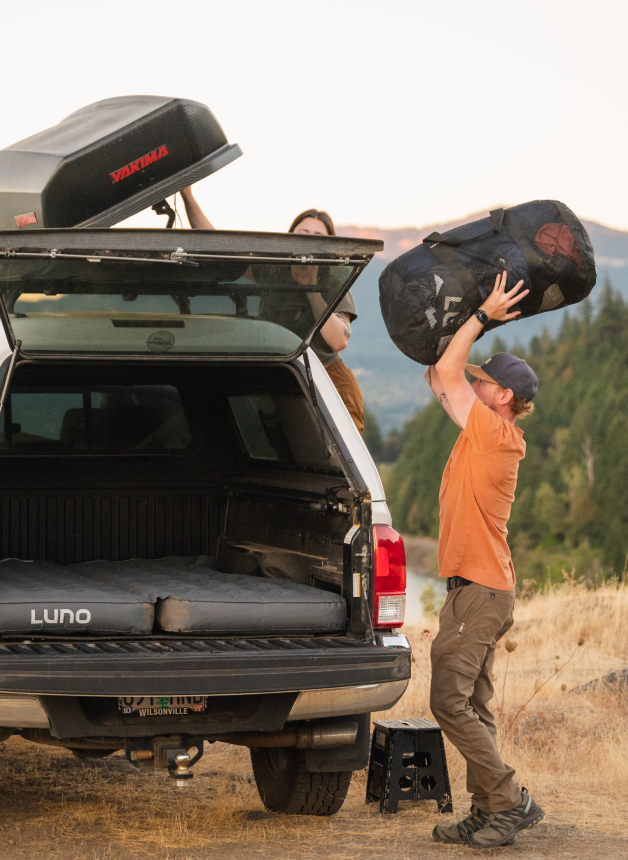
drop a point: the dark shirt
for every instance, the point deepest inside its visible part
(294, 312)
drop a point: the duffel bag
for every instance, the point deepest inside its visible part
(427, 293)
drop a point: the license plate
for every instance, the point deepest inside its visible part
(161, 706)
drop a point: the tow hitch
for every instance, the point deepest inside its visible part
(178, 767)
(170, 752)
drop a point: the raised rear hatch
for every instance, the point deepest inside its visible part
(172, 293)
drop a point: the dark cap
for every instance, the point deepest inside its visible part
(509, 372)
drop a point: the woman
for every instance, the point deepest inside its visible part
(334, 335)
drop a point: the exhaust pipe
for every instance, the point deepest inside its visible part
(317, 737)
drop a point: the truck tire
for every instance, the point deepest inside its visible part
(285, 785)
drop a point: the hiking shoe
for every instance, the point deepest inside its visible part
(502, 827)
(458, 834)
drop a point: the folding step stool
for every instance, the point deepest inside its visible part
(408, 763)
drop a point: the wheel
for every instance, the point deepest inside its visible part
(286, 786)
(84, 753)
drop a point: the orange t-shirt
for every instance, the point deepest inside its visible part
(476, 494)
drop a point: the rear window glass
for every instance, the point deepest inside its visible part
(103, 419)
(103, 306)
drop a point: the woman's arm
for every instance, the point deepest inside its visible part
(197, 218)
(337, 330)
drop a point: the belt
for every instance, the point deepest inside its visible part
(457, 581)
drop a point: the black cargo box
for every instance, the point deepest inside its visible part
(108, 161)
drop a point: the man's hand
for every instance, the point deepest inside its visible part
(498, 304)
(451, 365)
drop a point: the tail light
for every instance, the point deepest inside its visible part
(389, 599)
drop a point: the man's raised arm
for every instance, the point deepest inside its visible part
(451, 366)
(433, 380)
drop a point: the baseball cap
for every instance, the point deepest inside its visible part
(509, 372)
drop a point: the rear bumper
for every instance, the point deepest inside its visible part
(200, 667)
(20, 711)
(346, 701)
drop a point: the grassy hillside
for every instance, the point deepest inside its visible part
(571, 509)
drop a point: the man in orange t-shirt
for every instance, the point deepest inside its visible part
(476, 495)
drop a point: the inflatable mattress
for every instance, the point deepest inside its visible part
(142, 596)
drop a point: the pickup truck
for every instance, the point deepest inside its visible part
(195, 541)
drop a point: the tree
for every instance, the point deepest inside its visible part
(372, 435)
(573, 483)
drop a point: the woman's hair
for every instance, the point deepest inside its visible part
(521, 407)
(314, 213)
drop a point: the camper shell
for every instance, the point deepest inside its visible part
(177, 465)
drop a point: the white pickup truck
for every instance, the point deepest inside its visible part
(195, 541)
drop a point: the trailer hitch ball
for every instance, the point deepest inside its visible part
(178, 769)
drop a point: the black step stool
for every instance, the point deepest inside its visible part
(408, 763)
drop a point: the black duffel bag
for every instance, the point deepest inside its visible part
(429, 292)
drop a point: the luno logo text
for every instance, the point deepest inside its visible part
(58, 616)
(140, 164)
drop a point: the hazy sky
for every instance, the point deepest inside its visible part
(385, 113)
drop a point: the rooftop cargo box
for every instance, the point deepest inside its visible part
(108, 161)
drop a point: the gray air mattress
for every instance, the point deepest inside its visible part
(233, 603)
(174, 595)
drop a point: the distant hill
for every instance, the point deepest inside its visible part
(392, 384)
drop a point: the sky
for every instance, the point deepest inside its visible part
(390, 114)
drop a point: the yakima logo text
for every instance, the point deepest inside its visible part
(140, 164)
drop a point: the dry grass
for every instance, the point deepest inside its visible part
(570, 749)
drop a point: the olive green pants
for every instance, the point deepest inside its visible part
(472, 621)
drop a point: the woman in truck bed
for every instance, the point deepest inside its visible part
(334, 335)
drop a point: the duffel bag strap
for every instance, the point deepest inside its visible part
(497, 217)
(533, 258)
(442, 245)
(464, 276)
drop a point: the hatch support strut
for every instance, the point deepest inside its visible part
(8, 372)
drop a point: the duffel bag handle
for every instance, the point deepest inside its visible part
(497, 217)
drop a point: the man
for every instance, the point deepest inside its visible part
(476, 495)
